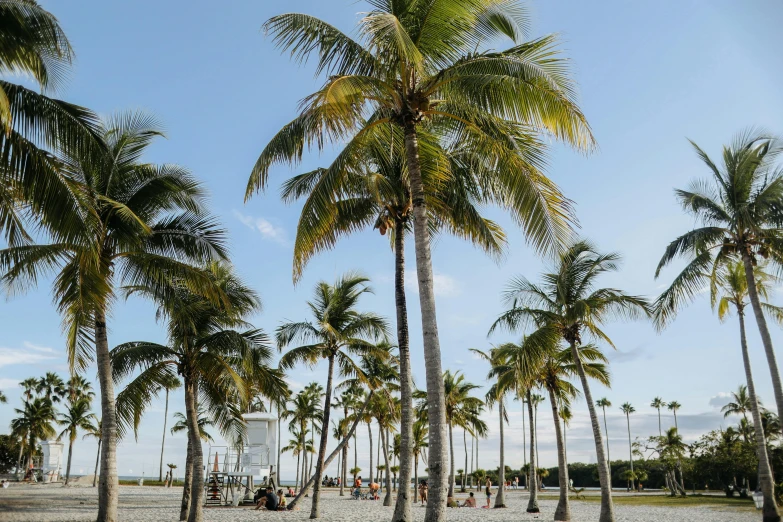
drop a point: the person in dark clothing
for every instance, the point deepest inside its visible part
(268, 501)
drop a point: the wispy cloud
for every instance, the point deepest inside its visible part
(720, 400)
(445, 286)
(263, 226)
(635, 354)
(29, 354)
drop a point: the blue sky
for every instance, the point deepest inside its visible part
(650, 76)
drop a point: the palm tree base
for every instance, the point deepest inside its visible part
(533, 510)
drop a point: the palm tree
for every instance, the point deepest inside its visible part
(338, 331)
(204, 422)
(672, 450)
(77, 388)
(729, 290)
(628, 409)
(673, 407)
(316, 393)
(515, 375)
(169, 384)
(408, 64)
(171, 467)
(741, 403)
(215, 351)
(51, 387)
(566, 306)
(33, 124)
(537, 399)
(94, 431)
(419, 442)
(297, 448)
(305, 409)
(604, 403)
(76, 417)
(29, 388)
(3, 398)
(461, 409)
(740, 210)
(138, 223)
(375, 191)
(33, 424)
(566, 416)
(658, 403)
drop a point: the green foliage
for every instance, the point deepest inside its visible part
(9, 453)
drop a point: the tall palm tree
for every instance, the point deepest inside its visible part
(566, 416)
(537, 399)
(304, 410)
(77, 388)
(138, 223)
(386, 410)
(496, 395)
(740, 208)
(628, 409)
(215, 351)
(729, 290)
(34, 423)
(409, 71)
(740, 403)
(567, 305)
(552, 367)
(604, 403)
(77, 416)
(673, 407)
(418, 446)
(672, 450)
(515, 374)
(315, 392)
(52, 387)
(374, 190)
(658, 403)
(461, 409)
(29, 388)
(169, 384)
(337, 332)
(94, 431)
(297, 447)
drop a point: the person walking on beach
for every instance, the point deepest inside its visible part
(488, 488)
(423, 492)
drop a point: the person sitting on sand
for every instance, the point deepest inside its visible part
(374, 488)
(470, 501)
(290, 492)
(423, 491)
(450, 502)
(280, 500)
(268, 501)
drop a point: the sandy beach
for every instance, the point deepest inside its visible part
(54, 503)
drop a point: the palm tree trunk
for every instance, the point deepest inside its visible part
(344, 476)
(764, 331)
(402, 509)
(451, 461)
(385, 442)
(524, 435)
(163, 443)
(279, 440)
(532, 481)
(429, 324)
(188, 482)
(369, 432)
(608, 458)
(196, 511)
(312, 429)
(630, 446)
(465, 473)
(20, 466)
(415, 479)
(97, 461)
(292, 505)
(675, 421)
(470, 475)
(298, 469)
(70, 456)
(563, 509)
(315, 512)
(766, 484)
(500, 498)
(109, 483)
(478, 481)
(607, 506)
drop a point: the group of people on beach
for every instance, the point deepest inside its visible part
(265, 498)
(372, 494)
(333, 482)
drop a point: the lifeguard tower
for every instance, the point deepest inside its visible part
(232, 474)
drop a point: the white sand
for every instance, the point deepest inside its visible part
(54, 503)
